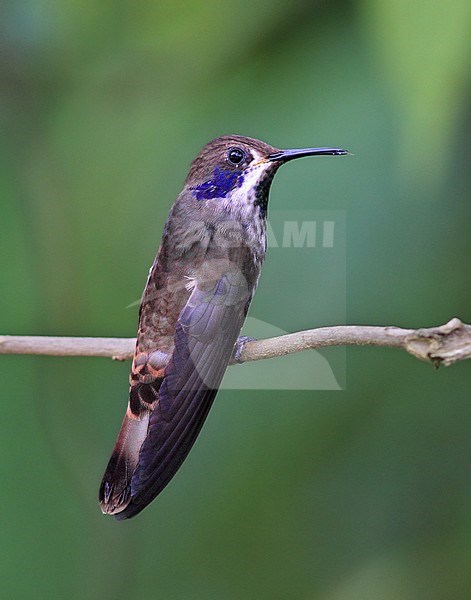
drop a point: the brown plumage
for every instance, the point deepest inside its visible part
(192, 309)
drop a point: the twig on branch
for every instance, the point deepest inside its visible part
(441, 345)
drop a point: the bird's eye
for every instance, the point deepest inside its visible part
(235, 155)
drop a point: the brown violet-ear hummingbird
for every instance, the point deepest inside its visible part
(193, 307)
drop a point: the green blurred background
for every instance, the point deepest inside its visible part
(335, 495)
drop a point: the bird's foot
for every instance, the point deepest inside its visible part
(238, 347)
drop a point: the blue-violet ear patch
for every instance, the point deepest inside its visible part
(220, 184)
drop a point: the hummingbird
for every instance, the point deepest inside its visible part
(194, 304)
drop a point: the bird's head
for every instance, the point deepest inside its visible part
(241, 169)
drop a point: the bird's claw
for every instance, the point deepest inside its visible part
(238, 347)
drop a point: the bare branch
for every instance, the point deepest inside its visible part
(116, 348)
(445, 344)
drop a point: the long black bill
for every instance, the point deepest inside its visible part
(285, 155)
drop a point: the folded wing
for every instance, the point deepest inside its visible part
(205, 334)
